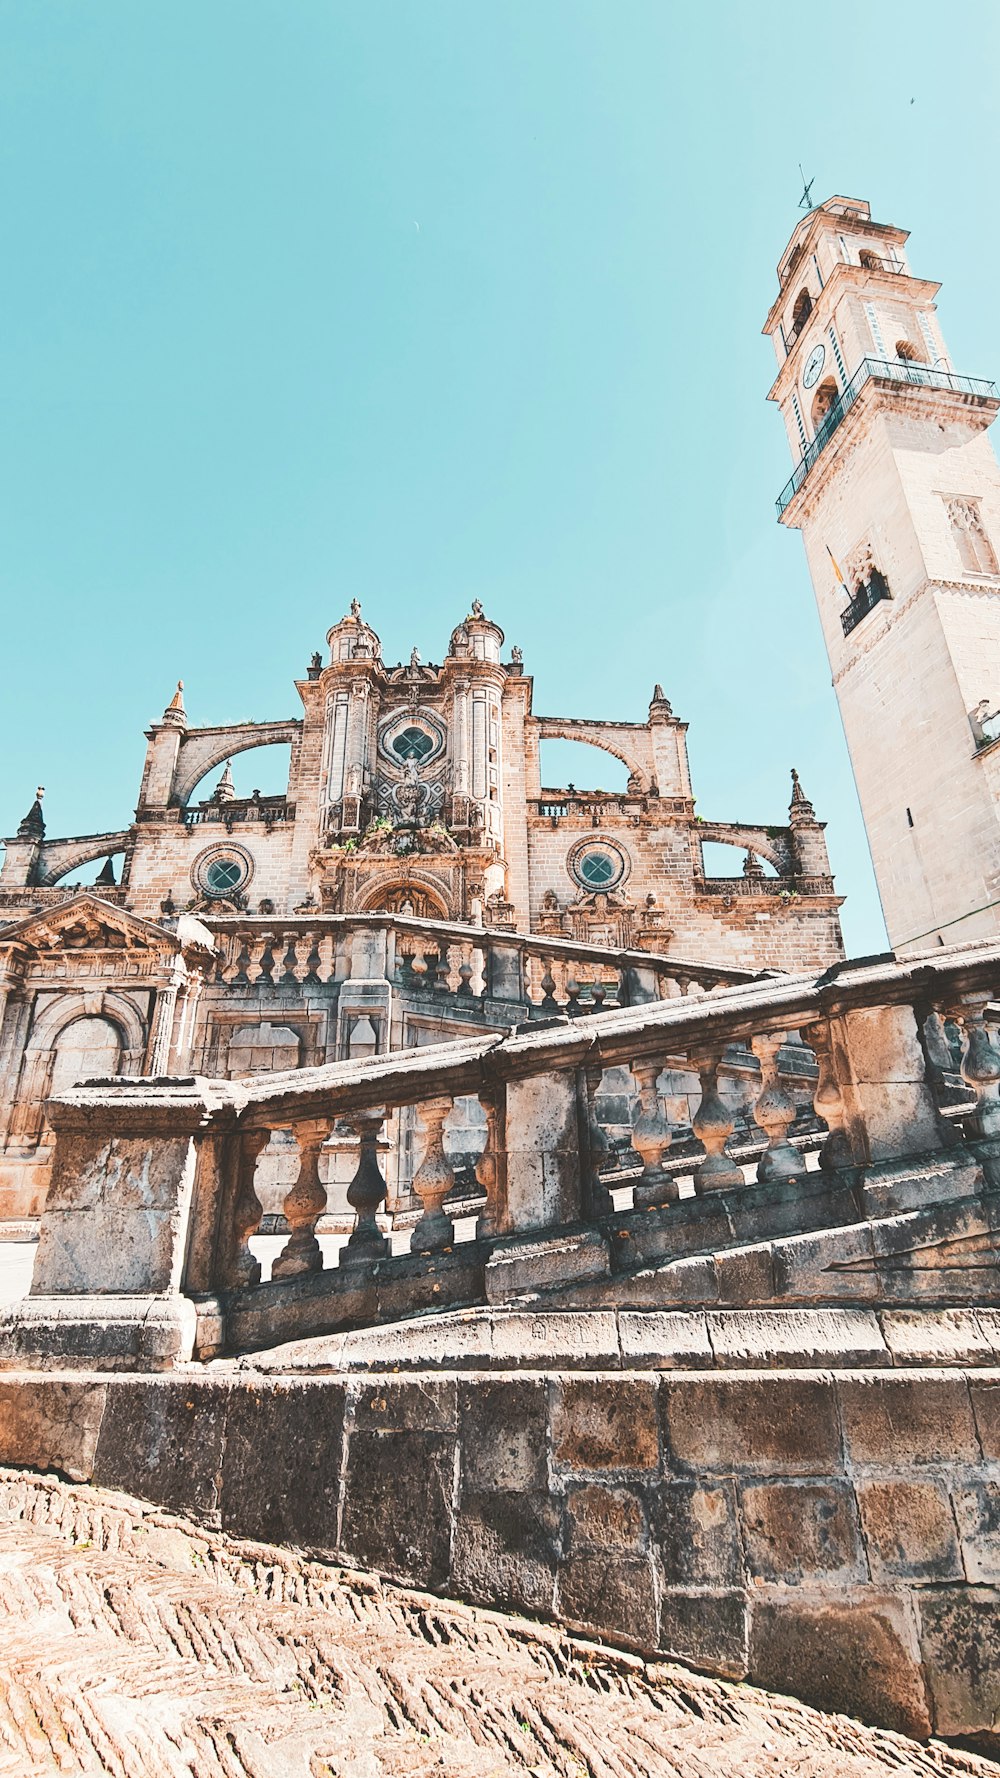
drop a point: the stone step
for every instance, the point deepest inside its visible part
(517, 1267)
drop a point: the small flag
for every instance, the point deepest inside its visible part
(836, 568)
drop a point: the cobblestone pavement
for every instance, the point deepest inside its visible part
(138, 1644)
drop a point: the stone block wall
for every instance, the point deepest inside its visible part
(833, 1537)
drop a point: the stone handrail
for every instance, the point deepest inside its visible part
(153, 1182)
(539, 971)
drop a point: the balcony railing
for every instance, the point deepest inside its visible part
(896, 370)
(868, 595)
(234, 814)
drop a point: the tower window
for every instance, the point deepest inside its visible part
(825, 398)
(976, 552)
(802, 311)
(869, 260)
(909, 353)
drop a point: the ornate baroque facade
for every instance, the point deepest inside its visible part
(230, 941)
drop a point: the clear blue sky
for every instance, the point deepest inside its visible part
(306, 300)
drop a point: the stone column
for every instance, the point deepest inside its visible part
(713, 1124)
(775, 1113)
(433, 1181)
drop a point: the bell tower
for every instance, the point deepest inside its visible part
(897, 494)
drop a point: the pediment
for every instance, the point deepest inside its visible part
(86, 923)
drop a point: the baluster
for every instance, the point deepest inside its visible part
(433, 1181)
(442, 971)
(487, 1171)
(243, 1269)
(313, 959)
(836, 1153)
(366, 1190)
(713, 1124)
(242, 979)
(547, 984)
(573, 1006)
(981, 1067)
(428, 976)
(465, 978)
(304, 1204)
(599, 1148)
(265, 967)
(651, 1139)
(774, 1112)
(289, 977)
(597, 994)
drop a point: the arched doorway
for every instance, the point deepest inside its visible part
(409, 900)
(88, 1048)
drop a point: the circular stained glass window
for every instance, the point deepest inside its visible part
(597, 866)
(413, 743)
(223, 871)
(224, 874)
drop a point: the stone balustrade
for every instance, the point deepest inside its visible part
(152, 1205)
(543, 974)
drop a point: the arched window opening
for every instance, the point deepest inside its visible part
(869, 260)
(720, 860)
(87, 1049)
(975, 550)
(909, 353)
(100, 872)
(824, 401)
(257, 771)
(802, 310)
(581, 766)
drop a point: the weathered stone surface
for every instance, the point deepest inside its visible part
(504, 1427)
(960, 1641)
(745, 1275)
(506, 1550)
(398, 1503)
(663, 1340)
(809, 1338)
(282, 1461)
(609, 1518)
(936, 1336)
(611, 1593)
(802, 1531)
(115, 1217)
(985, 1397)
(48, 1424)
(588, 1341)
(707, 1629)
(742, 1423)
(164, 1441)
(696, 1533)
(859, 1657)
(908, 1419)
(837, 1263)
(396, 1405)
(599, 1423)
(909, 1529)
(977, 1513)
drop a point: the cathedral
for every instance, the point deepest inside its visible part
(414, 805)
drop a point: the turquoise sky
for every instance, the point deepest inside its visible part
(305, 301)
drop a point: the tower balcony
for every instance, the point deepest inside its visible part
(879, 370)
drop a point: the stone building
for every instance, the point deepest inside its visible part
(250, 933)
(897, 494)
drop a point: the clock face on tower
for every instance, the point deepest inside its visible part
(814, 364)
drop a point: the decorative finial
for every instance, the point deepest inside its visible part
(356, 610)
(33, 825)
(175, 713)
(225, 790)
(477, 608)
(805, 201)
(800, 808)
(106, 878)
